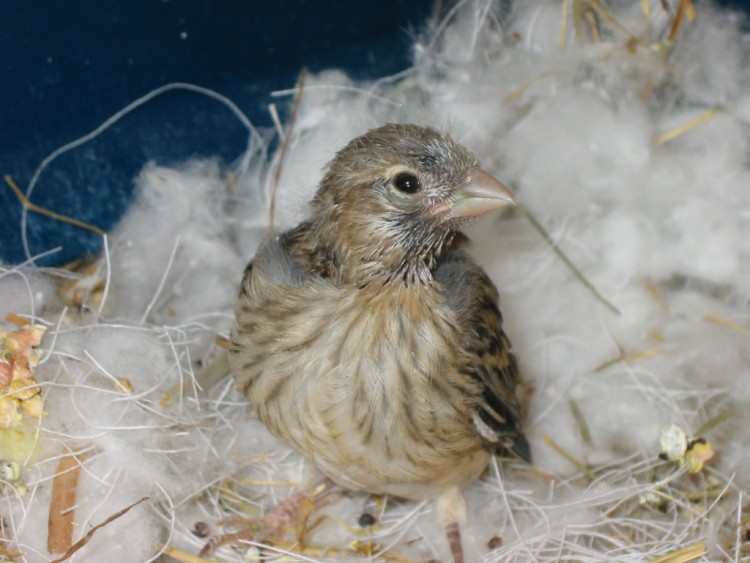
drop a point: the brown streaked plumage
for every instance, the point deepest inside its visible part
(368, 338)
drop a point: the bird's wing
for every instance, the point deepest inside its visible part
(472, 296)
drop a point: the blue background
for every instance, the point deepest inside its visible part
(69, 65)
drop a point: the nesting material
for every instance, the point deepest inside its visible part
(622, 128)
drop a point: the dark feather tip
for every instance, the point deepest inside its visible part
(521, 448)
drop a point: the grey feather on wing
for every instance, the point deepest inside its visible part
(275, 264)
(456, 273)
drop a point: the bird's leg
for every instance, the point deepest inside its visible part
(450, 511)
(453, 531)
(284, 515)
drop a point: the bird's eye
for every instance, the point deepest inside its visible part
(407, 183)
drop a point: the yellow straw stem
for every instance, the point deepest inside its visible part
(726, 323)
(42, 211)
(683, 555)
(707, 115)
(564, 453)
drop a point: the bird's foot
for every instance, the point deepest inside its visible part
(291, 513)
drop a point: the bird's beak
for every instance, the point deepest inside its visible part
(480, 194)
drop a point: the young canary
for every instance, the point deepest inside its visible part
(367, 337)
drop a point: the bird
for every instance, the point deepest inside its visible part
(368, 339)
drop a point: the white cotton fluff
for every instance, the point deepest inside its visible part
(171, 254)
(26, 290)
(659, 228)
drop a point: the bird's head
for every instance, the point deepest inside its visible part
(392, 199)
